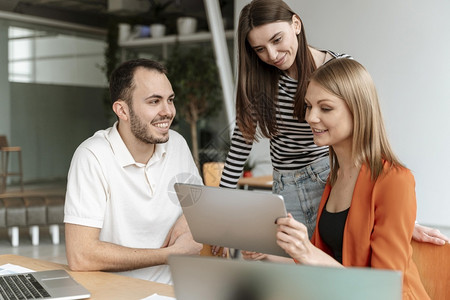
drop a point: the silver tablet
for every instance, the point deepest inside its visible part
(239, 219)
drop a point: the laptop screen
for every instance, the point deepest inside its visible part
(197, 277)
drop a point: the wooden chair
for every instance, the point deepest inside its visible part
(6, 150)
(212, 171)
(211, 177)
(433, 263)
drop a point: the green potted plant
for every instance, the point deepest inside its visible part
(195, 80)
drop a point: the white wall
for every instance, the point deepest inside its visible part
(405, 45)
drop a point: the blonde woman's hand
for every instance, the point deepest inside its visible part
(292, 237)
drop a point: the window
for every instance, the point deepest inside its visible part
(55, 58)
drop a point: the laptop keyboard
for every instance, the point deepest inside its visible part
(21, 286)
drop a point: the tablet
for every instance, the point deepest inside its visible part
(239, 219)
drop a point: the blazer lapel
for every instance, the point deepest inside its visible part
(358, 227)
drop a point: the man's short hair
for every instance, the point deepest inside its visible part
(121, 82)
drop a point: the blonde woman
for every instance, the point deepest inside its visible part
(367, 212)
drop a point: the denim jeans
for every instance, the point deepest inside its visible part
(302, 190)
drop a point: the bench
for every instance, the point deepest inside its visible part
(32, 212)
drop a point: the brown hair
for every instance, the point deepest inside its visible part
(121, 83)
(350, 81)
(257, 84)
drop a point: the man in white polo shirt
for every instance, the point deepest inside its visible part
(120, 213)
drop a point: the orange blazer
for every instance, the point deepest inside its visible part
(379, 226)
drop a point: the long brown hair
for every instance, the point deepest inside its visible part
(349, 80)
(257, 85)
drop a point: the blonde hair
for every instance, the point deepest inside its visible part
(350, 81)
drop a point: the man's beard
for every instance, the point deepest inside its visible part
(140, 130)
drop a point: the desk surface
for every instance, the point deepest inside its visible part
(102, 285)
(256, 182)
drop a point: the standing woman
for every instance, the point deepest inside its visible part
(368, 208)
(275, 63)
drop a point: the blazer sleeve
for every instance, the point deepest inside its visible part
(395, 213)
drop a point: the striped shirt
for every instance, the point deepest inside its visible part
(291, 148)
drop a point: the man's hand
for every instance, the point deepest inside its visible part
(185, 244)
(429, 235)
(177, 229)
(218, 250)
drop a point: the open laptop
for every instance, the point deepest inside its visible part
(197, 277)
(53, 284)
(239, 219)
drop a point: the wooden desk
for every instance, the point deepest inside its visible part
(102, 285)
(261, 182)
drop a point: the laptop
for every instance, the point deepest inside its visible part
(239, 219)
(197, 277)
(53, 284)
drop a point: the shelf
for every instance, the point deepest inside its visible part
(171, 39)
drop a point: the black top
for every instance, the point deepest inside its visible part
(331, 230)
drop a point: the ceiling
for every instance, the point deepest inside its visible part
(96, 13)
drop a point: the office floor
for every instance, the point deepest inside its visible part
(46, 250)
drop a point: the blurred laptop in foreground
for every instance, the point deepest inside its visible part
(197, 277)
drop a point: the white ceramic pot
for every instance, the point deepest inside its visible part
(186, 25)
(124, 32)
(157, 30)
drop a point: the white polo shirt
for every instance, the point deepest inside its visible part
(134, 204)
